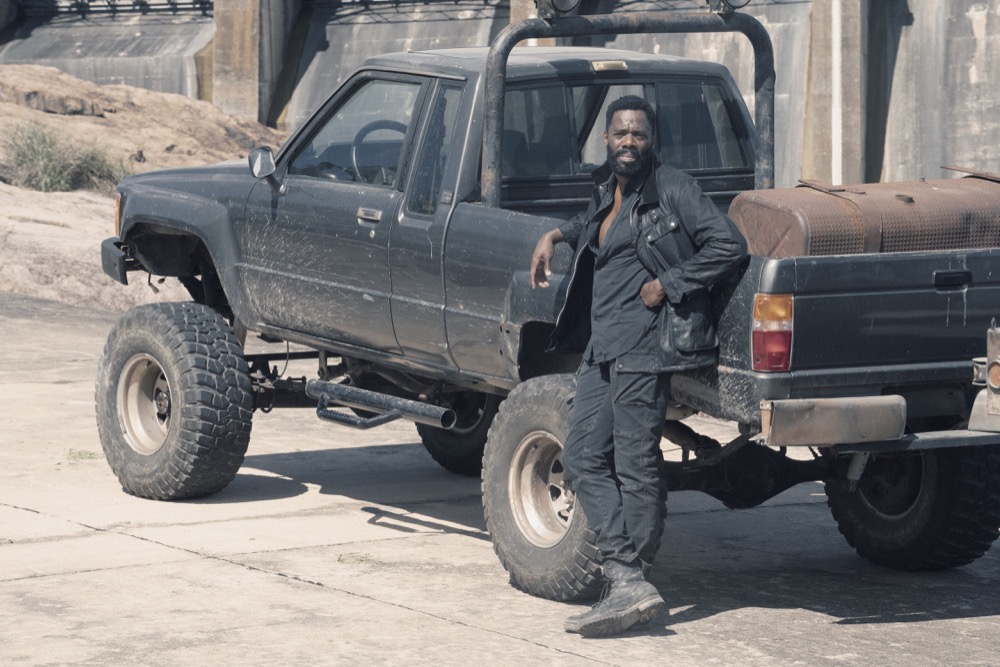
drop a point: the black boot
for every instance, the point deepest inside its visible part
(628, 599)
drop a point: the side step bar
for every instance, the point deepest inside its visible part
(387, 408)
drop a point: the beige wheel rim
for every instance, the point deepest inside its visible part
(542, 505)
(144, 404)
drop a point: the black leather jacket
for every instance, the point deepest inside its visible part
(680, 237)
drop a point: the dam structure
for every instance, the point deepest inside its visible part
(866, 90)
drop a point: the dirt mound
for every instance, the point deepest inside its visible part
(147, 130)
(50, 242)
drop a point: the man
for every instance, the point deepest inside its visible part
(648, 249)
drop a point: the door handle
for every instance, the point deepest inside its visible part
(369, 215)
(952, 279)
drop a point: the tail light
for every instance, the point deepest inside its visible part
(771, 344)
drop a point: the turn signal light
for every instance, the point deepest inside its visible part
(771, 338)
(118, 214)
(993, 374)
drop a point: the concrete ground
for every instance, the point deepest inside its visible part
(341, 547)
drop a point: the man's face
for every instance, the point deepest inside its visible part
(629, 139)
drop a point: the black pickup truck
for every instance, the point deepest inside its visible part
(391, 237)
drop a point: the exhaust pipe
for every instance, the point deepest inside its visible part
(387, 408)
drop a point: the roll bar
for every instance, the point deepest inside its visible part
(626, 24)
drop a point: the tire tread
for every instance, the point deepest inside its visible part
(965, 525)
(580, 576)
(213, 407)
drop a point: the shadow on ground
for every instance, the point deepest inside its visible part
(397, 481)
(711, 562)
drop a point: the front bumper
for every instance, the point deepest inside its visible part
(115, 259)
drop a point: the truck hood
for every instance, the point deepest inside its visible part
(221, 171)
(228, 183)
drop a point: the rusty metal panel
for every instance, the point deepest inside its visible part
(813, 219)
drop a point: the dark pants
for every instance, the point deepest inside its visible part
(611, 458)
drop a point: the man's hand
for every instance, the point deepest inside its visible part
(652, 293)
(541, 259)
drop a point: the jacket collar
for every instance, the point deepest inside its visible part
(649, 193)
(602, 174)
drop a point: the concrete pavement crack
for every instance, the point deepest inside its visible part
(308, 582)
(319, 584)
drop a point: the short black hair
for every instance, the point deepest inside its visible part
(631, 103)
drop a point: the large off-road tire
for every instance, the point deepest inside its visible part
(174, 401)
(460, 448)
(546, 546)
(929, 511)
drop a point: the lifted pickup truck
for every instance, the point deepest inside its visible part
(392, 235)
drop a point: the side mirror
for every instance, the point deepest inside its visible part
(261, 161)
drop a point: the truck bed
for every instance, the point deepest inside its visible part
(868, 324)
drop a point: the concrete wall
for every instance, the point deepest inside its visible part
(945, 90)
(146, 52)
(236, 57)
(835, 88)
(788, 23)
(866, 89)
(917, 89)
(340, 36)
(277, 36)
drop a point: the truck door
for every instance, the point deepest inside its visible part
(416, 251)
(315, 250)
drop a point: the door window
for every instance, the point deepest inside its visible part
(426, 187)
(363, 139)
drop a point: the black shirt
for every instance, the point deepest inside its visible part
(619, 318)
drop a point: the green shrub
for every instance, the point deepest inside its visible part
(93, 169)
(41, 160)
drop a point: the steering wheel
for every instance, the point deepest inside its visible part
(359, 138)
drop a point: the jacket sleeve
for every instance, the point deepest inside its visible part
(719, 246)
(572, 229)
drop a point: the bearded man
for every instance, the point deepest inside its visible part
(648, 250)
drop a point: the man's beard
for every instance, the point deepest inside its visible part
(627, 168)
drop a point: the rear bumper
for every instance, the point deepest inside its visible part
(820, 422)
(867, 424)
(737, 394)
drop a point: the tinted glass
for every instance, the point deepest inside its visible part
(696, 131)
(363, 139)
(559, 130)
(537, 133)
(433, 156)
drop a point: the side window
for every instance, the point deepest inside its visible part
(696, 131)
(537, 138)
(431, 162)
(363, 139)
